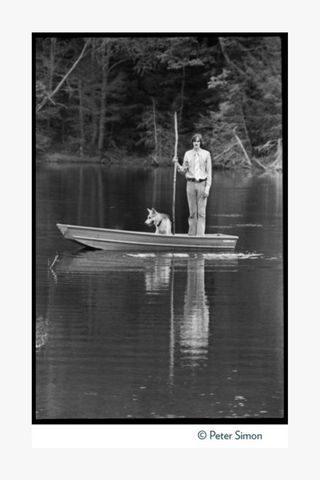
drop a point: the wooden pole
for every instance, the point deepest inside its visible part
(155, 131)
(175, 175)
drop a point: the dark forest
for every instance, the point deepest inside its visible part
(112, 98)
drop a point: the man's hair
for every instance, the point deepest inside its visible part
(195, 136)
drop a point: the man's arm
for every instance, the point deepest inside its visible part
(209, 175)
(181, 168)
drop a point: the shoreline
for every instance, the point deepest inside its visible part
(122, 159)
(104, 159)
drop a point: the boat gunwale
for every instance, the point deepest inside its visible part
(147, 234)
(80, 239)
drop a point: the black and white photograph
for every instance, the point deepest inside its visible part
(160, 229)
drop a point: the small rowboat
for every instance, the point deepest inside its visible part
(109, 239)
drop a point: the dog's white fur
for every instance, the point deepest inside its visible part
(160, 220)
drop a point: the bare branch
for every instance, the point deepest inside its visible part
(224, 151)
(259, 163)
(49, 97)
(242, 147)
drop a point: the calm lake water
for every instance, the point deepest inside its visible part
(157, 336)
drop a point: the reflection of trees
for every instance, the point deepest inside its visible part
(45, 288)
(41, 331)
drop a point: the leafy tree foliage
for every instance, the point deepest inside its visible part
(102, 94)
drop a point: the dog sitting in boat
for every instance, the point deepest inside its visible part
(161, 221)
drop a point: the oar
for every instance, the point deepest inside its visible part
(175, 175)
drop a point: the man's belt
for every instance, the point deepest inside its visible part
(197, 181)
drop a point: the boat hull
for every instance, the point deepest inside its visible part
(109, 239)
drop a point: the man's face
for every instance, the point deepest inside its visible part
(196, 143)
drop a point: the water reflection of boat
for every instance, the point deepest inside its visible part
(157, 266)
(89, 261)
(109, 239)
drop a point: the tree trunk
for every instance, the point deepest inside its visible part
(224, 51)
(103, 104)
(182, 93)
(81, 117)
(229, 62)
(155, 129)
(52, 62)
(244, 125)
(51, 70)
(95, 129)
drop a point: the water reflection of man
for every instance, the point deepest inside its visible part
(194, 326)
(198, 172)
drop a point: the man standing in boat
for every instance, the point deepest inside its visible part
(197, 169)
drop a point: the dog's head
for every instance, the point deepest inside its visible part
(152, 216)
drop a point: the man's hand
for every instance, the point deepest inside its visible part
(206, 193)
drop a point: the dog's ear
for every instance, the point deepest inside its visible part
(149, 210)
(154, 211)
